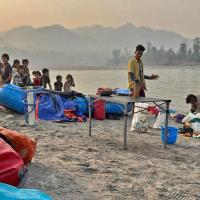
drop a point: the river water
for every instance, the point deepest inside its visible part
(174, 83)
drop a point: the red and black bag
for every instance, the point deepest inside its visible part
(104, 91)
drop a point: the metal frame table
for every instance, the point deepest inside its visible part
(125, 100)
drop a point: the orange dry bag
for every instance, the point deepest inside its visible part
(22, 144)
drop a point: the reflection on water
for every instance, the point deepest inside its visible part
(174, 83)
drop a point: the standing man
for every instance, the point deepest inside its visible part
(136, 77)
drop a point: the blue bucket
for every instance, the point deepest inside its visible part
(172, 134)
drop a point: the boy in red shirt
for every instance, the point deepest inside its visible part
(37, 78)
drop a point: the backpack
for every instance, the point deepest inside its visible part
(22, 144)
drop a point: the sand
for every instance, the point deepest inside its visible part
(71, 165)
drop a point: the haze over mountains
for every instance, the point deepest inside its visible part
(86, 46)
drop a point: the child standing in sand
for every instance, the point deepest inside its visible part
(5, 69)
(45, 78)
(58, 85)
(69, 83)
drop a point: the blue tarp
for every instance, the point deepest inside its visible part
(52, 106)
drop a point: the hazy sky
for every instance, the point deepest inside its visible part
(176, 15)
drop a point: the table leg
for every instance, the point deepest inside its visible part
(90, 116)
(133, 109)
(166, 125)
(125, 125)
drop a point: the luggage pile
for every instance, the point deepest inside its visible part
(16, 152)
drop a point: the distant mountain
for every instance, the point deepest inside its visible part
(57, 46)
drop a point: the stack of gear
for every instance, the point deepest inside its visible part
(16, 151)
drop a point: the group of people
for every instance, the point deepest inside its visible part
(19, 75)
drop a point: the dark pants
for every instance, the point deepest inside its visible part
(141, 93)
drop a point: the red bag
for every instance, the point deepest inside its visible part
(153, 110)
(22, 144)
(99, 109)
(12, 167)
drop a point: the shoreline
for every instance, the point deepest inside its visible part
(82, 68)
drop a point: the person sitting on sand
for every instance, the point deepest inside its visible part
(15, 66)
(69, 83)
(58, 85)
(21, 78)
(5, 69)
(194, 100)
(37, 78)
(45, 78)
(136, 77)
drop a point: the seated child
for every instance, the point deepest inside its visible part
(45, 79)
(69, 83)
(15, 66)
(37, 78)
(58, 85)
(21, 78)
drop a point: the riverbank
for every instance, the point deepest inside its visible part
(71, 165)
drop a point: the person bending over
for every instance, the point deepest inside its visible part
(194, 100)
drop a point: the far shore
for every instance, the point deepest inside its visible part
(121, 67)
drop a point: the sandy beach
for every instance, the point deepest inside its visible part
(70, 165)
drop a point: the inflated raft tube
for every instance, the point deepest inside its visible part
(15, 98)
(12, 96)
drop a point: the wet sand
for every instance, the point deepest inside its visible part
(70, 165)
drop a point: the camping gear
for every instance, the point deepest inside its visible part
(153, 110)
(52, 107)
(104, 91)
(179, 118)
(15, 98)
(122, 92)
(12, 96)
(12, 169)
(126, 101)
(160, 120)
(136, 120)
(22, 144)
(172, 134)
(8, 192)
(99, 109)
(116, 108)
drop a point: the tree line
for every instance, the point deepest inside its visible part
(161, 56)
